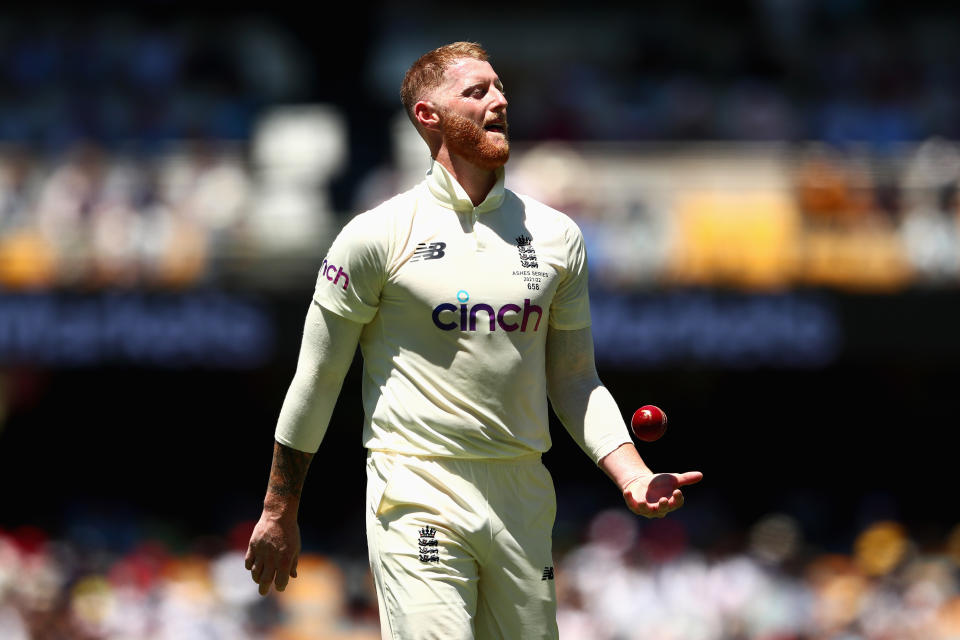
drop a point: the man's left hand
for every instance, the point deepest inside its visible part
(656, 495)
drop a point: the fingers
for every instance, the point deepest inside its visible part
(283, 577)
(284, 574)
(657, 510)
(273, 553)
(661, 495)
(256, 569)
(661, 507)
(261, 569)
(266, 578)
(265, 571)
(690, 477)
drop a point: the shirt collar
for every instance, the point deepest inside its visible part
(451, 195)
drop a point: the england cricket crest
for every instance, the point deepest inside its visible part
(528, 255)
(429, 551)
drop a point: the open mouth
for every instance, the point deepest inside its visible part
(497, 127)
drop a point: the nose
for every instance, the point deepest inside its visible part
(501, 99)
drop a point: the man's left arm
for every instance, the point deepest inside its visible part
(591, 416)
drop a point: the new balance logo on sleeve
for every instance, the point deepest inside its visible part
(431, 251)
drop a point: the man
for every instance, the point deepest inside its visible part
(470, 306)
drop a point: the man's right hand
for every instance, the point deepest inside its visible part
(273, 551)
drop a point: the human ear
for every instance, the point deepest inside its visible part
(425, 113)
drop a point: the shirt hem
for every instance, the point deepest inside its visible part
(606, 450)
(289, 443)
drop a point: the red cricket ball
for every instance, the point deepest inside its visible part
(649, 422)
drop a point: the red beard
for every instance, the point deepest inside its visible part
(467, 139)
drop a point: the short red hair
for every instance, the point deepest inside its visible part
(427, 72)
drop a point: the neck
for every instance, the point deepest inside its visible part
(476, 181)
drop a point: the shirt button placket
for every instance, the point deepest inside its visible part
(476, 238)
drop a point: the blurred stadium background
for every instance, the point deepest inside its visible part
(769, 192)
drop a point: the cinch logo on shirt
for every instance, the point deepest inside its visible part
(328, 271)
(494, 317)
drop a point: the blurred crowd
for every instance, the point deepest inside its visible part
(625, 579)
(158, 151)
(770, 217)
(764, 217)
(822, 70)
(91, 219)
(166, 153)
(765, 70)
(118, 77)
(643, 581)
(54, 589)
(125, 144)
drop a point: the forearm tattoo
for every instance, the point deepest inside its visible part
(288, 471)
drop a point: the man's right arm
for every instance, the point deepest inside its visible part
(326, 353)
(329, 344)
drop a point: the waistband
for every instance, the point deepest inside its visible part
(529, 458)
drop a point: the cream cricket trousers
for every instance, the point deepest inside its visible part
(461, 549)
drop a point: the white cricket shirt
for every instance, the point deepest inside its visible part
(456, 301)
